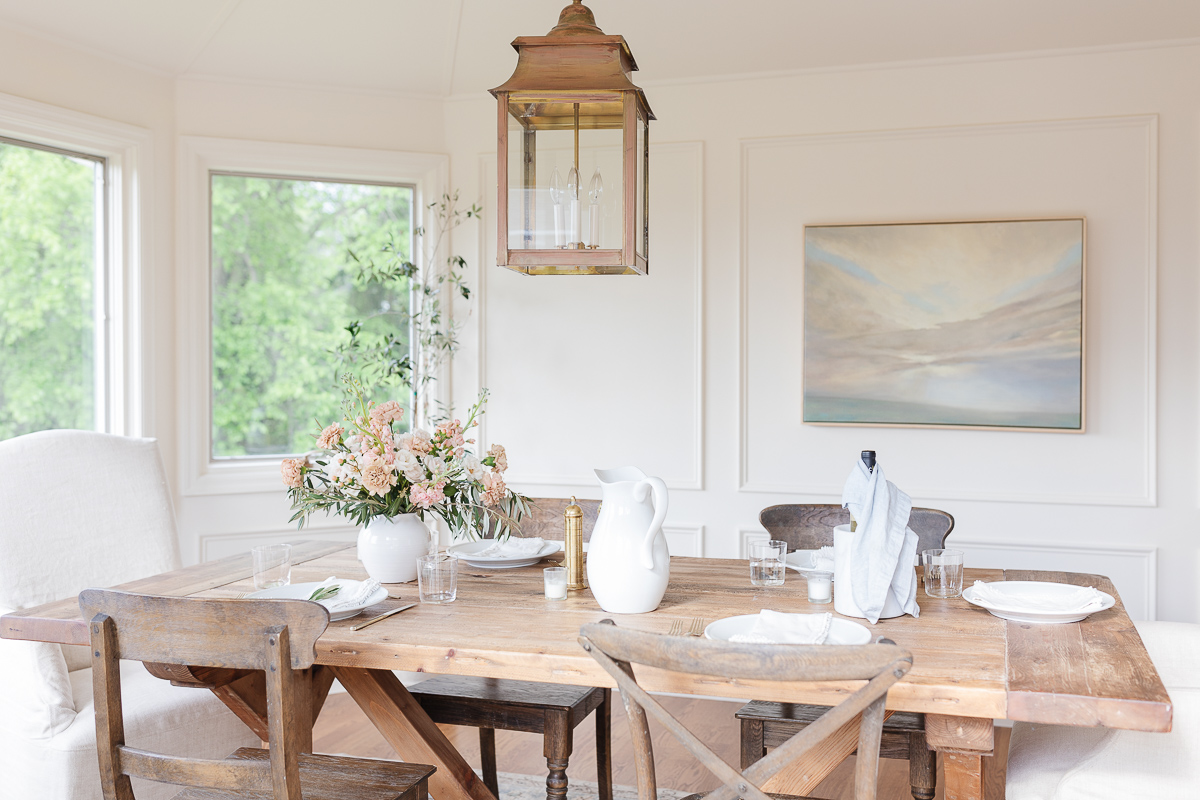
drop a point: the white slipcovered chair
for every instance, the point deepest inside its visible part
(77, 510)
(1049, 762)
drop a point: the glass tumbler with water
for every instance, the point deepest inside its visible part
(272, 565)
(437, 577)
(767, 563)
(943, 572)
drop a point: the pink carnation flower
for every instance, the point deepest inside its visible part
(376, 476)
(387, 413)
(496, 452)
(292, 471)
(493, 489)
(330, 437)
(426, 494)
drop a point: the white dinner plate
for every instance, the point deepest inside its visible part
(1034, 590)
(467, 550)
(303, 591)
(841, 631)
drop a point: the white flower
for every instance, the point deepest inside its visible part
(410, 465)
(473, 467)
(437, 466)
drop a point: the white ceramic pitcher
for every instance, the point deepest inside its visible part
(627, 562)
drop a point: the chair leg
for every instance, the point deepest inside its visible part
(604, 747)
(753, 741)
(922, 767)
(556, 746)
(487, 758)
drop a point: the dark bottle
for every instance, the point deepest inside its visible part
(868, 457)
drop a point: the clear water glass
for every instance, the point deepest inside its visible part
(767, 563)
(272, 565)
(943, 572)
(437, 577)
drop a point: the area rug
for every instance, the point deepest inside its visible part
(533, 787)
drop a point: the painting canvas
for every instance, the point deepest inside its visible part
(947, 324)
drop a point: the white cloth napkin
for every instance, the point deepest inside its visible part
(513, 546)
(1086, 598)
(350, 596)
(883, 548)
(823, 559)
(773, 627)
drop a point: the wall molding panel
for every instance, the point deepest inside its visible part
(685, 540)
(1038, 169)
(688, 212)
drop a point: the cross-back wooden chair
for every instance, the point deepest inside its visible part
(551, 710)
(276, 636)
(880, 664)
(764, 725)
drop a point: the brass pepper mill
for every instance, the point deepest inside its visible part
(573, 545)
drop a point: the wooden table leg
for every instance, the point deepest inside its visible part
(408, 729)
(963, 742)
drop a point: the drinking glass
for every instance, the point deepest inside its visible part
(943, 572)
(555, 579)
(437, 577)
(272, 565)
(766, 563)
(820, 587)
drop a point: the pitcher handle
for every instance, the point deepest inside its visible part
(640, 491)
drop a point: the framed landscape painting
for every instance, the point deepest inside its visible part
(951, 324)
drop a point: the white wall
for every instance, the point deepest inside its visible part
(589, 373)
(692, 373)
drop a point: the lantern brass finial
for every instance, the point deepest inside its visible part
(575, 20)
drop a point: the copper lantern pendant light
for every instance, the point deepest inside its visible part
(574, 155)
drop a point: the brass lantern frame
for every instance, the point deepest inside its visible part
(579, 66)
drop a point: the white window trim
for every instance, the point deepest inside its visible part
(129, 154)
(197, 157)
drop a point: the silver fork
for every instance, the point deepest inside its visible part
(697, 628)
(676, 628)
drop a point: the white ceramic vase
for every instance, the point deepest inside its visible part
(843, 593)
(628, 565)
(389, 548)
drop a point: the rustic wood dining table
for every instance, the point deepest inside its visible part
(969, 667)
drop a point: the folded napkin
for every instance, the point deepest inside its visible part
(350, 596)
(1086, 598)
(883, 549)
(823, 559)
(513, 546)
(772, 627)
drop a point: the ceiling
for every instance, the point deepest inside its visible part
(455, 47)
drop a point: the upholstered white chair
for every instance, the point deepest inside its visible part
(1048, 762)
(77, 510)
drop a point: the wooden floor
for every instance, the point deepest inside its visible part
(343, 728)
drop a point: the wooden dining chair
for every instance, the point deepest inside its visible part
(276, 636)
(880, 664)
(765, 725)
(551, 710)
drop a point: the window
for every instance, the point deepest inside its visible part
(51, 289)
(265, 289)
(283, 291)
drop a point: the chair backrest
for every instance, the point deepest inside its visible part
(81, 509)
(880, 664)
(545, 517)
(277, 636)
(809, 526)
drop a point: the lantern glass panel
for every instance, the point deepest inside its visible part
(543, 212)
(641, 210)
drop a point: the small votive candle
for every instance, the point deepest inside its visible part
(820, 587)
(556, 582)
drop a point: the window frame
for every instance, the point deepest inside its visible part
(199, 157)
(127, 150)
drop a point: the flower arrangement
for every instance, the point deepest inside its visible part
(361, 469)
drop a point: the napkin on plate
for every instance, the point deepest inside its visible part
(773, 627)
(1085, 598)
(350, 596)
(883, 549)
(823, 559)
(512, 547)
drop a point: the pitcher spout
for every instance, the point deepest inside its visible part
(619, 474)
